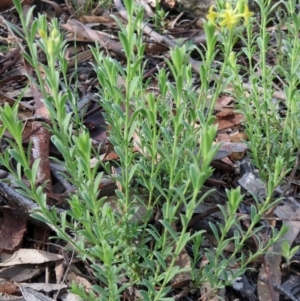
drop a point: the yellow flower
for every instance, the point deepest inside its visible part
(230, 16)
(212, 15)
(247, 14)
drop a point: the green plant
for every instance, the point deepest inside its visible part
(287, 252)
(5, 48)
(159, 19)
(174, 132)
(271, 134)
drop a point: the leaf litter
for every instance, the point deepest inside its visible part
(23, 255)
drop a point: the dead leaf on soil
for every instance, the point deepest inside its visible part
(25, 256)
(44, 287)
(12, 231)
(9, 288)
(274, 258)
(253, 184)
(20, 273)
(82, 31)
(232, 150)
(72, 277)
(239, 137)
(228, 119)
(32, 295)
(223, 102)
(78, 58)
(9, 60)
(107, 20)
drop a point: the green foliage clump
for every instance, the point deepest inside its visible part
(176, 131)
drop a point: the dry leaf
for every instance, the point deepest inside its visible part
(32, 295)
(229, 120)
(233, 150)
(44, 287)
(273, 258)
(20, 273)
(24, 256)
(72, 277)
(12, 231)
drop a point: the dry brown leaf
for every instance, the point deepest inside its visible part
(44, 287)
(232, 150)
(225, 113)
(9, 60)
(239, 137)
(273, 258)
(229, 119)
(82, 31)
(59, 271)
(151, 48)
(25, 256)
(10, 288)
(79, 57)
(32, 295)
(223, 102)
(273, 262)
(108, 20)
(12, 231)
(20, 273)
(72, 277)
(12, 79)
(223, 137)
(291, 218)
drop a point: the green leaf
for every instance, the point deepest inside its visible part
(133, 87)
(17, 156)
(169, 228)
(215, 231)
(125, 43)
(161, 260)
(40, 217)
(31, 25)
(150, 287)
(120, 153)
(145, 295)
